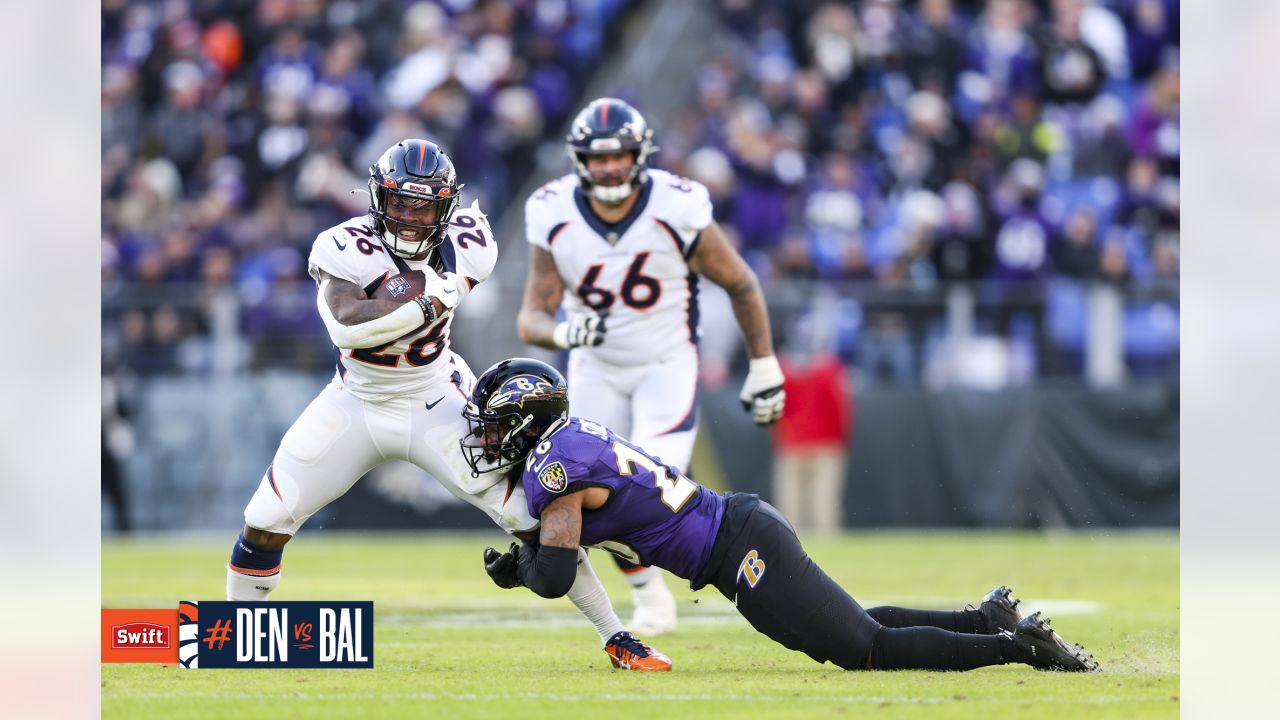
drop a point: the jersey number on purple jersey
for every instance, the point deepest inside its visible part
(675, 491)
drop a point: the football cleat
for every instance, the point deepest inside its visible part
(628, 653)
(655, 609)
(1045, 649)
(1000, 610)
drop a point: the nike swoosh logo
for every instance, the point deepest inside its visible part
(340, 245)
(433, 404)
(451, 292)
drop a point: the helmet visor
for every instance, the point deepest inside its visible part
(492, 443)
(412, 219)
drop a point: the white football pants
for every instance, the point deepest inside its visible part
(652, 405)
(339, 437)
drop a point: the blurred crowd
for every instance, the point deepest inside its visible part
(882, 144)
(234, 130)
(908, 144)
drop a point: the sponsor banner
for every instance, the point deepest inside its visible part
(225, 634)
(146, 636)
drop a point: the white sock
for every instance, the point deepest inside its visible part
(640, 576)
(250, 587)
(589, 597)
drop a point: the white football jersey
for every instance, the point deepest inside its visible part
(352, 251)
(636, 270)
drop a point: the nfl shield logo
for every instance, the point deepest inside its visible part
(397, 286)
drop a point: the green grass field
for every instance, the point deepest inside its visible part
(448, 644)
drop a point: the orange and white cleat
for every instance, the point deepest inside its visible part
(628, 653)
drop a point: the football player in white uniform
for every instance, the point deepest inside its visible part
(628, 244)
(399, 390)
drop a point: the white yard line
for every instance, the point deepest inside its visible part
(719, 612)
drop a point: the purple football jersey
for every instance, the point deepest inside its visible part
(654, 515)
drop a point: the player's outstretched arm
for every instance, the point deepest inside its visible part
(717, 260)
(356, 321)
(550, 567)
(543, 292)
(762, 394)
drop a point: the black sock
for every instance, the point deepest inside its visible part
(930, 648)
(961, 621)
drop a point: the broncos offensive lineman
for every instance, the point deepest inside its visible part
(629, 243)
(591, 487)
(399, 390)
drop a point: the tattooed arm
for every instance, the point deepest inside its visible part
(543, 290)
(549, 568)
(762, 394)
(715, 258)
(562, 521)
(355, 320)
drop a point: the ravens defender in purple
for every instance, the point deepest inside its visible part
(591, 488)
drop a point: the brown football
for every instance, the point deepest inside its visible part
(402, 287)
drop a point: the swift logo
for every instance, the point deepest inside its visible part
(140, 635)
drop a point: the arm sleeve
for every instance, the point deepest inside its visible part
(547, 570)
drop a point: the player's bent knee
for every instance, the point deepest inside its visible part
(271, 509)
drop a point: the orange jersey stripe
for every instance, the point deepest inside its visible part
(255, 573)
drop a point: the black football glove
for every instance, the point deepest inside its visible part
(502, 566)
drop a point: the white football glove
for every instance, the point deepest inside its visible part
(443, 288)
(579, 330)
(762, 394)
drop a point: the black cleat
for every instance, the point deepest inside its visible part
(1000, 610)
(1045, 649)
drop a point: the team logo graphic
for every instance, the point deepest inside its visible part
(752, 568)
(189, 634)
(553, 477)
(519, 389)
(398, 286)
